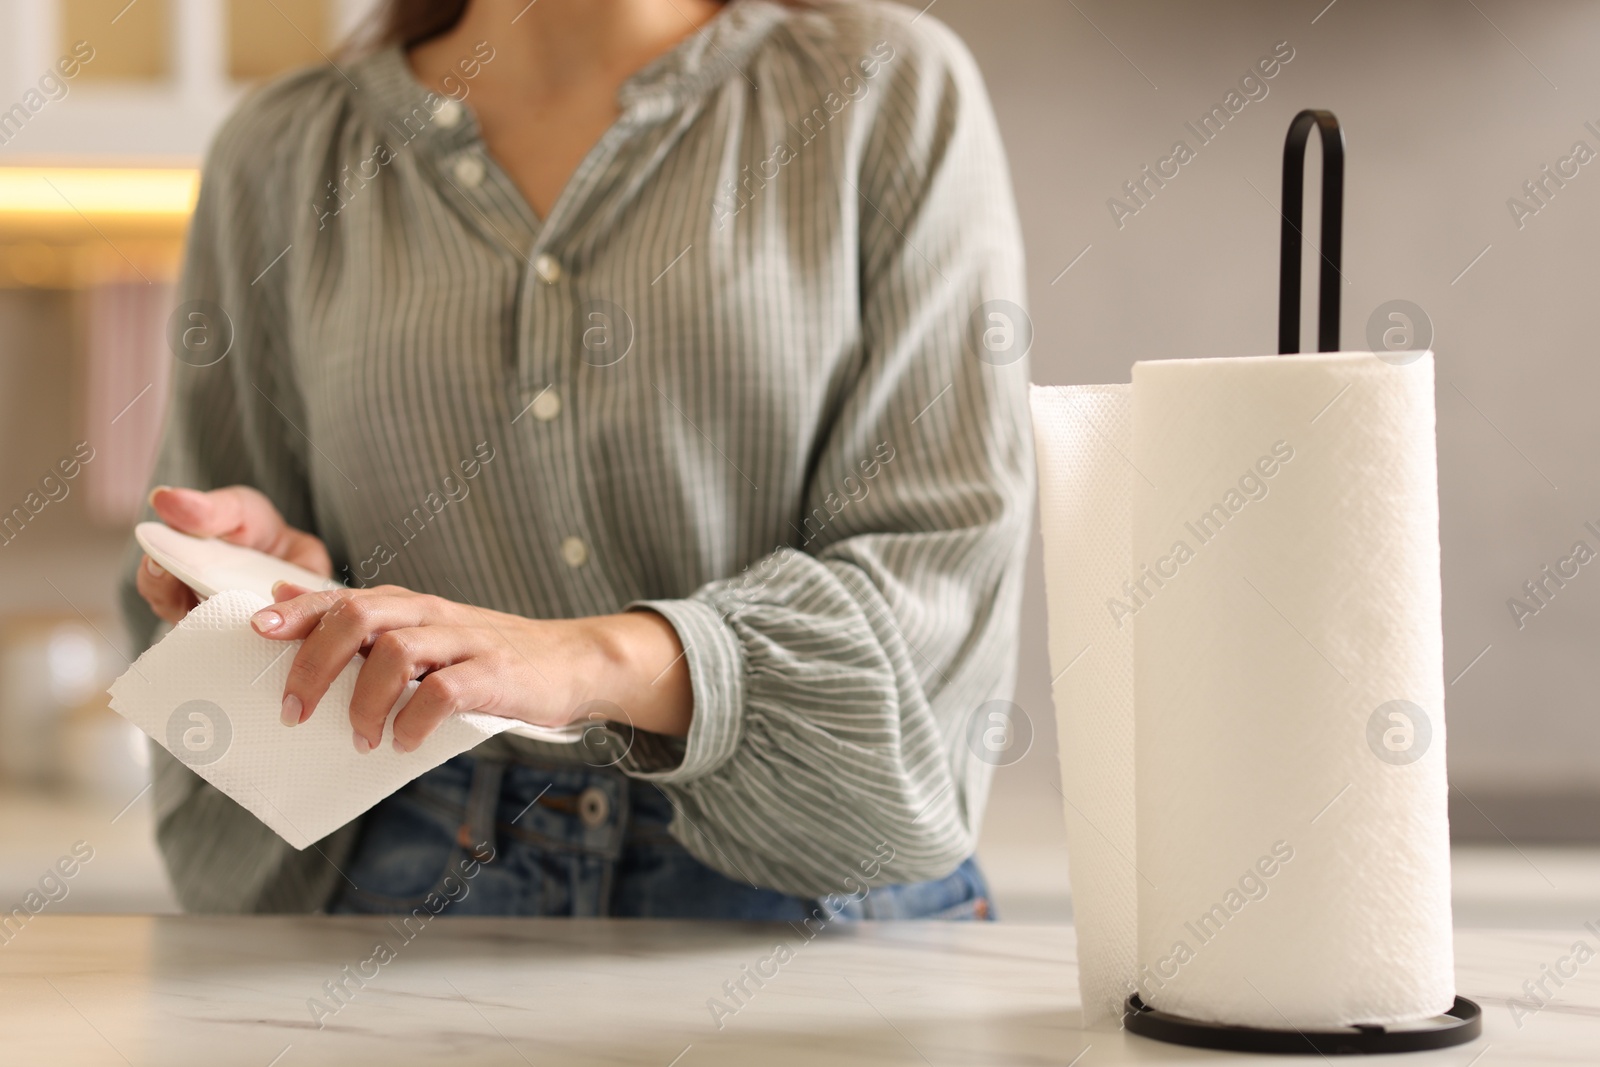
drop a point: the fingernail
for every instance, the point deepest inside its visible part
(398, 747)
(363, 746)
(151, 499)
(154, 568)
(266, 621)
(291, 710)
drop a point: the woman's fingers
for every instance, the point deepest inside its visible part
(243, 516)
(466, 686)
(336, 625)
(169, 598)
(300, 614)
(295, 617)
(304, 550)
(409, 634)
(397, 657)
(237, 513)
(282, 591)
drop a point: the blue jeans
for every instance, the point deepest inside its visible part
(483, 837)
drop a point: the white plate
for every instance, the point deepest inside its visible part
(208, 566)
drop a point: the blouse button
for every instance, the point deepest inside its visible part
(549, 268)
(575, 552)
(469, 171)
(448, 115)
(547, 405)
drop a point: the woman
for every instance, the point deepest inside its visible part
(634, 364)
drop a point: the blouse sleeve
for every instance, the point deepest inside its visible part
(232, 413)
(835, 680)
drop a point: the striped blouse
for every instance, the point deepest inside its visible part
(761, 369)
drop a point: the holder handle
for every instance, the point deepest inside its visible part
(1294, 179)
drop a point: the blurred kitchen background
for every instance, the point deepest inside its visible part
(1450, 107)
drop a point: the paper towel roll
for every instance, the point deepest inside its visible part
(1083, 435)
(1283, 593)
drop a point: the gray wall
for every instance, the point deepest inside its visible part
(1446, 115)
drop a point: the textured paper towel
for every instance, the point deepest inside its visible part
(1083, 435)
(209, 692)
(1265, 650)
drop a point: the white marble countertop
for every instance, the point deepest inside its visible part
(172, 991)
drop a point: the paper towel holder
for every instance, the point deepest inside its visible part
(1466, 1024)
(1465, 1018)
(1291, 237)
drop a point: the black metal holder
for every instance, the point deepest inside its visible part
(1465, 1024)
(1464, 1021)
(1294, 180)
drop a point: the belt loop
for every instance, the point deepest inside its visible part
(483, 803)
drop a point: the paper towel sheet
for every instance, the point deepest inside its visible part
(1282, 591)
(210, 693)
(1082, 435)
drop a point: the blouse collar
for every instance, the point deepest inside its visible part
(391, 94)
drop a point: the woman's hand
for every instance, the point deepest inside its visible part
(471, 659)
(238, 514)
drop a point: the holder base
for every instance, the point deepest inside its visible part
(1466, 1024)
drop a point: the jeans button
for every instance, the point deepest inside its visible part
(593, 807)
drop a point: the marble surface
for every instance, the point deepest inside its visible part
(181, 990)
